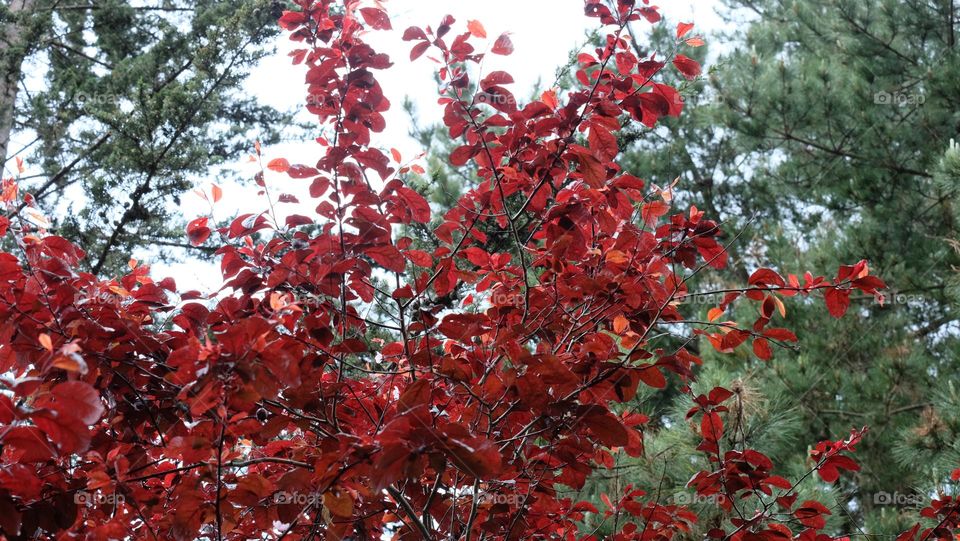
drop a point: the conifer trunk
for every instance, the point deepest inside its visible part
(12, 53)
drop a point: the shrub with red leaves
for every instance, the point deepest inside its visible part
(277, 409)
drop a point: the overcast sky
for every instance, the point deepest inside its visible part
(543, 33)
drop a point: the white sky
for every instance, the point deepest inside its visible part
(543, 33)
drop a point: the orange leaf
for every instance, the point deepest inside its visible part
(620, 324)
(280, 165)
(217, 193)
(71, 363)
(476, 28)
(617, 257)
(714, 314)
(45, 341)
(780, 307)
(695, 42)
(9, 192)
(277, 301)
(549, 98)
(339, 505)
(652, 211)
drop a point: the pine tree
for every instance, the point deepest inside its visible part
(122, 105)
(833, 116)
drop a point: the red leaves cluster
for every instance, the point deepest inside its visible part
(828, 459)
(944, 515)
(746, 475)
(349, 382)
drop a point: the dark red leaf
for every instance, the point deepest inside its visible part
(503, 45)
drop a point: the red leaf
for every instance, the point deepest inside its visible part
(292, 19)
(302, 171)
(652, 376)
(478, 457)
(78, 399)
(783, 335)
(503, 45)
(416, 394)
(298, 219)
(838, 300)
(761, 347)
(416, 203)
(319, 186)
(414, 32)
(608, 429)
(593, 171)
(28, 440)
(711, 426)
(765, 276)
(830, 470)
(496, 78)
(651, 14)
(461, 155)
(683, 28)
(419, 49)
(376, 18)
(387, 256)
(689, 67)
(197, 231)
(419, 257)
(810, 514)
